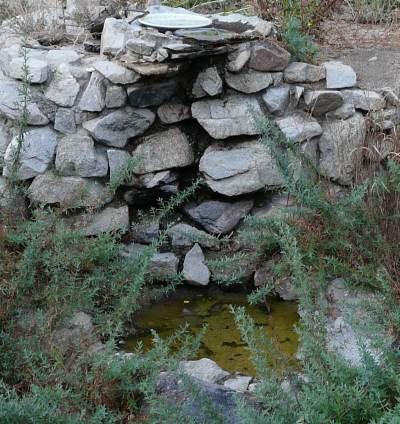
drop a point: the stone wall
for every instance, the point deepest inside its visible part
(184, 103)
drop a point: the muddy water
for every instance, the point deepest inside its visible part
(222, 341)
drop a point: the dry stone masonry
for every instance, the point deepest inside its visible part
(183, 104)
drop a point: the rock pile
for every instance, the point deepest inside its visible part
(182, 103)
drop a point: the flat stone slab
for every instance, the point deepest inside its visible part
(219, 217)
(118, 127)
(68, 192)
(231, 116)
(233, 170)
(164, 150)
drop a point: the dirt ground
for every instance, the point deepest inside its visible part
(372, 50)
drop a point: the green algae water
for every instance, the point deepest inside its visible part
(222, 342)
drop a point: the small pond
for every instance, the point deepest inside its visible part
(222, 342)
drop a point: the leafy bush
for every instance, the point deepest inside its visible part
(298, 43)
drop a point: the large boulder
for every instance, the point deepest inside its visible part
(195, 271)
(118, 127)
(240, 168)
(35, 154)
(231, 116)
(164, 150)
(77, 156)
(299, 126)
(219, 217)
(338, 147)
(267, 56)
(249, 81)
(68, 192)
(10, 104)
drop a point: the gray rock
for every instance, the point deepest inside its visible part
(184, 236)
(267, 56)
(364, 99)
(348, 325)
(299, 127)
(236, 22)
(319, 102)
(238, 59)
(118, 127)
(386, 119)
(277, 99)
(195, 271)
(5, 140)
(146, 231)
(171, 113)
(10, 100)
(38, 70)
(110, 219)
(141, 47)
(339, 75)
(249, 81)
(164, 150)
(279, 206)
(161, 265)
(63, 56)
(77, 156)
(13, 208)
(156, 179)
(65, 121)
(154, 94)
(94, 97)
(228, 117)
(338, 148)
(116, 73)
(116, 97)
(68, 192)
(239, 383)
(205, 370)
(219, 217)
(208, 83)
(115, 34)
(63, 89)
(303, 72)
(36, 154)
(390, 96)
(342, 112)
(243, 168)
